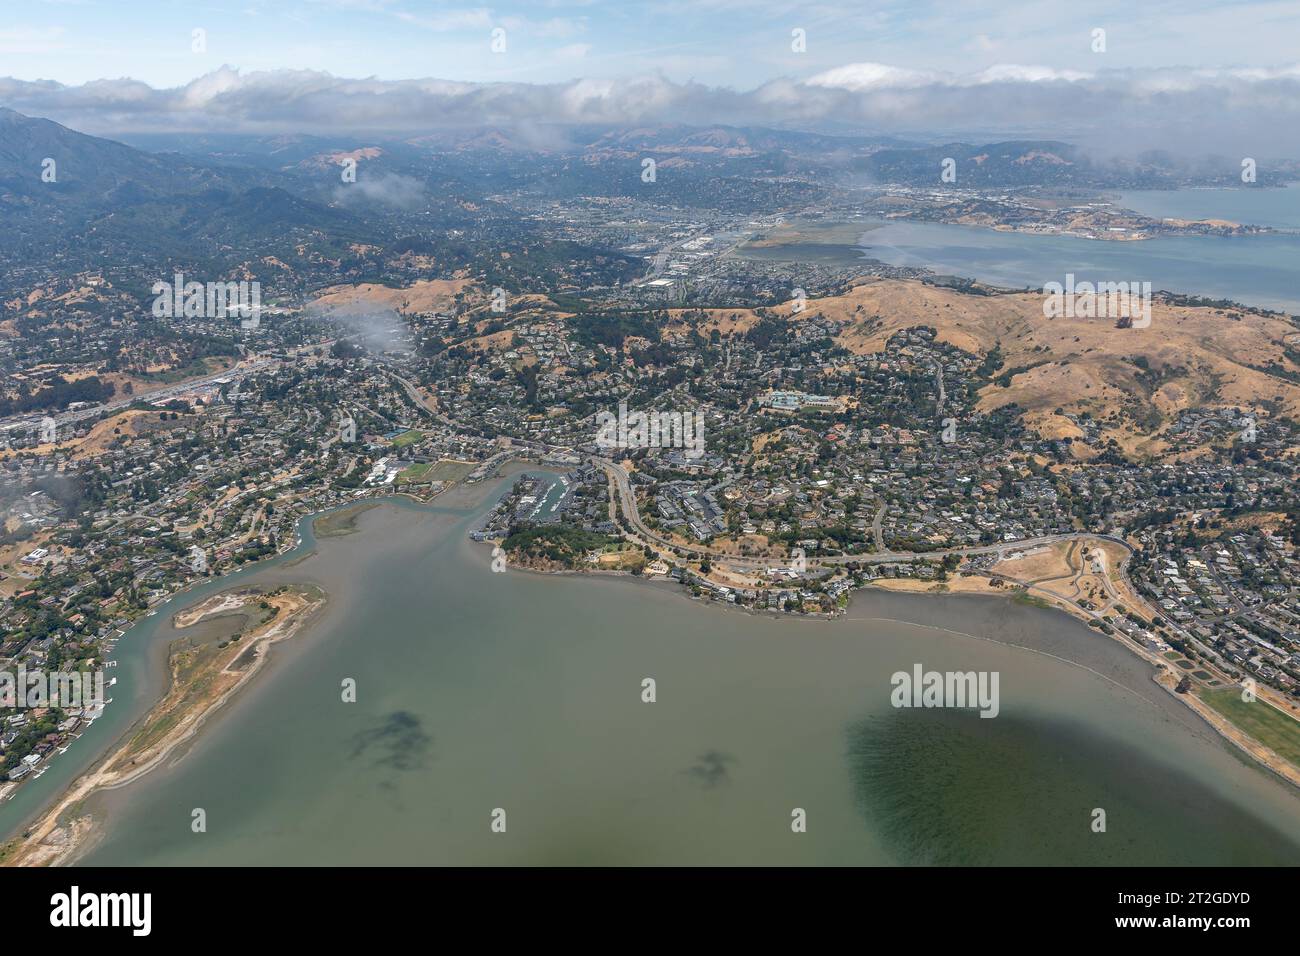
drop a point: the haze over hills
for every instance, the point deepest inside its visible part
(882, 158)
(276, 207)
(106, 197)
(1042, 163)
(269, 193)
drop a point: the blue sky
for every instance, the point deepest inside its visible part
(716, 42)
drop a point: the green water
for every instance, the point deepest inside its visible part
(480, 691)
(936, 787)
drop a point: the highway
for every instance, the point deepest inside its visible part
(154, 395)
(169, 391)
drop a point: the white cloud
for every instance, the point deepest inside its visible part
(867, 77)
(1013, 73)
(859, 77)
(389, 189)
(1255, 109)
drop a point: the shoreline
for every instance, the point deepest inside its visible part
(55, 841)
(1163, 674)
(1036, 589)
(18, 830)
(817, 246)
(61, 834)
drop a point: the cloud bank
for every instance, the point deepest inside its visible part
(1253, 110)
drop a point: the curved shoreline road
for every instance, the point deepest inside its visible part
(626, 503)
(632, 514)
(639, 533)
(622, 499)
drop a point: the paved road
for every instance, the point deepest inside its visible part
(421, 402)
(94, 411)
(636, 529)
(167, 391)
(1241, 608)
(620, 486)
(632, 517)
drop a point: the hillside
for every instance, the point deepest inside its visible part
(1194, 355)
(103, 199)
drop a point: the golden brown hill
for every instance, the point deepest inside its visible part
(1196, 355)
(427, 295)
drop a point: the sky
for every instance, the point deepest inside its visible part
(734, 43)
(897, 65)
